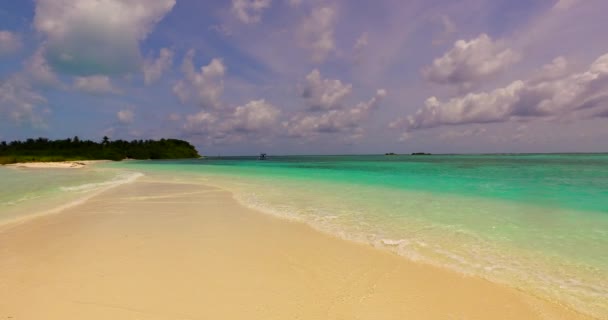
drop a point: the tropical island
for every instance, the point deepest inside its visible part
(74, 149)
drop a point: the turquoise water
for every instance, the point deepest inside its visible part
(536, 222)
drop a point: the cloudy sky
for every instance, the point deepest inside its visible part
(310, 76)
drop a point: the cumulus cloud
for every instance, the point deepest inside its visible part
(253, 118)
(9, 42)
(86, 37)
(200, 123)
(125, 116)
(470, 62)
(582, 94)
(316, 33)
(153, 69)
(324, 94)
(39, 70)
(204, 87)
(97, 84)
(326, 98)
(20, 103)
(556, 69)
(348, 121)
(249, 11)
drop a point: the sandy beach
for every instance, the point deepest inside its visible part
(55, 165)
(163, 250)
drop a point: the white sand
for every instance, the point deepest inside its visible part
(60, 164)
(158, 250)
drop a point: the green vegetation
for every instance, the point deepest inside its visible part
(45, 150)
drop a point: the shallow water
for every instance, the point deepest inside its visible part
(536, 222)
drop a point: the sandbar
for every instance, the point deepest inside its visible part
(157, 249)
(56, 165)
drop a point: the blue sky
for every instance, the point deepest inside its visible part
(316, 76)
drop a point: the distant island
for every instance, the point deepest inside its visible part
(71, 149)
(414, 154)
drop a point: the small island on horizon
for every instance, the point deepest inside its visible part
(74, 149)
(413, 154)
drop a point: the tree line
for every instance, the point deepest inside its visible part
(44, 150)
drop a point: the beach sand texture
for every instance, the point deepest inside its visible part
(56, 165)
(154, 249)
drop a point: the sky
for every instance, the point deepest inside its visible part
(239, 77)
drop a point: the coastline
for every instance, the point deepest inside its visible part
(76, 164)
(166, 250)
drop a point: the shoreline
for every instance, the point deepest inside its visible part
(180, 215)
(76, 164)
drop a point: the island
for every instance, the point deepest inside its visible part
(390, 154)
(75, 149)
(421, 154)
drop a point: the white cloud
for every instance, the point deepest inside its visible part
(316, 33)
(153, 69)
(349, 121)
(40, 71)
(583, 94)
(470, 62)
(253, 118)
(200, 123)
(97, 84)
(256, 115)
(249, 11)
(203, 88)
(556, 69)
(87, 37)
(20, 103)
(324, 94)
(9, 42)
(125, 116)
(472, 108)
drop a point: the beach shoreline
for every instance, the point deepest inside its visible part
(76, 164)
(160, 250)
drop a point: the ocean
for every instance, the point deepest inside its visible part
(537, 222)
